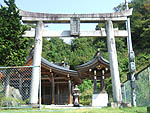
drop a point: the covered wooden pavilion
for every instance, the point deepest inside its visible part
(96, 69)
(57, 82)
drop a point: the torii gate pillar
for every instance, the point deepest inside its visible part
(34, 88)
(116, 86)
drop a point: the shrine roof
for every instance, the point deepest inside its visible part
(98, 63)
(57, 68)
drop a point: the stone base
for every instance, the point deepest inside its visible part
(100, 100)
(115, 104)
(118, 105)
(34, 105)
(70, 105)
(126, 105)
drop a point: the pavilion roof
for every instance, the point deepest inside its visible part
(86, 70)
(59, 70)
(56, 69)
(98, 64)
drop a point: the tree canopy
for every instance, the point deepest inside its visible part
(140, 29)
(12, 45)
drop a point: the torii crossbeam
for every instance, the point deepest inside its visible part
(65, 18)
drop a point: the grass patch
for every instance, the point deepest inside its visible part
(94, 110)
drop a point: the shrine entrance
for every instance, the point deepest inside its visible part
(46, 93)
(75, 19)
(61, 93)
(57, 82)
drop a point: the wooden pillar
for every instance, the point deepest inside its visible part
(58, 93)
(53, 90)
(102, 82)
(43, 99)
(34, 88)
(70, 92)
(116, 86)
(95, 82)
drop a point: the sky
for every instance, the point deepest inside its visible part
(68, 6)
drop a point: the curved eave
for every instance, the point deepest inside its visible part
(93, 63)
(60, 70)
(103, 61)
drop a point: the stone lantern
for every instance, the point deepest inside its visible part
(76, 96)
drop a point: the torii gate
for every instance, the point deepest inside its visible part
(75, 19)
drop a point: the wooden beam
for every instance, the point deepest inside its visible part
(88, 75)
(46, 79)
(29, 63)
(45, 73)
(61, 82)
(97, 33)
(65, 18)
(57, 78)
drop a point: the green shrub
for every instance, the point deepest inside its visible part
(86, 97)
(86, 102)
(27, 101)
(10, 102)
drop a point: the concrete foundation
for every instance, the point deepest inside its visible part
(100, 100)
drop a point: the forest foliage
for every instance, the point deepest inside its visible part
(14, 48)
(12, 45)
